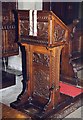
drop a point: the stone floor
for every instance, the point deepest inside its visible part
(10, 94)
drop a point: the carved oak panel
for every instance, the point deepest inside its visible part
(42, 30)
(59, 33)
(9, 46)
(24, 28)
(41, 74)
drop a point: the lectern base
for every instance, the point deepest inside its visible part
(36, 111)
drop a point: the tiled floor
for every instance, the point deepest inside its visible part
(10, 94)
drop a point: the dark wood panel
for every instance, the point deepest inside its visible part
(72, 55)
(66, 11)
(9, 46)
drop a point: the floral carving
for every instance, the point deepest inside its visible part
(42, 29)
(59, 33)
(41, 74)
(24, 27)
(42, 59)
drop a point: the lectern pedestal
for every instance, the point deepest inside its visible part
(42, 90)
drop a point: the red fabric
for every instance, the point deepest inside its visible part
(70, 90)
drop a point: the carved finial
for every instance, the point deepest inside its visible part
(76, 21)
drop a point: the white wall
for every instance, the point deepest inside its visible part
(31, 4)
(15, 61)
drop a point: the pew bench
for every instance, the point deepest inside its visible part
(8, 112)
(72, 55)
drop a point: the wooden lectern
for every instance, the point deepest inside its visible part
(43, 45)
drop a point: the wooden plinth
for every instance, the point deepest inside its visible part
(35, 109)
